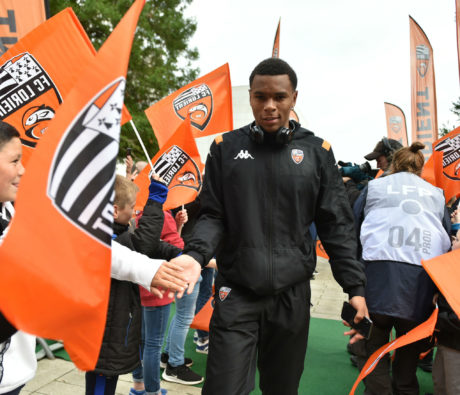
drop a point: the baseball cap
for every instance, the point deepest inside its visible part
(378, 150)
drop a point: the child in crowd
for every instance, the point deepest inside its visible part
(120, 347)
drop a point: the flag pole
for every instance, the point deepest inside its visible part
(142, 145)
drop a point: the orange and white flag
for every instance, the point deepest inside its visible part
(17, 18)
(178, 163)
(56, 257)
(396, 124)
(38, 72)
(446, 163)
(207, 101)
(423, 89)
(276, 42)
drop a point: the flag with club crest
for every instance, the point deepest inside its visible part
(396, 124)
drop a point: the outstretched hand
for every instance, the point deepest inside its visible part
(191, 271)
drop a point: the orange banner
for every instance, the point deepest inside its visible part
(37, 74)
(276, 43)
(207, 101)
(180, 166)
(396, 123)
(444, 270)
(422, 331)
(203, 317)
(17, 18)
(423, 89)
(446, 163)
(58, 286)
(320, 251)
(428, 171)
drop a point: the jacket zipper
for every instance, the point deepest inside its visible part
(270, 223)
(127, 329)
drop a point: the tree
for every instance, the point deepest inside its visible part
(446, 128)
(160, 60)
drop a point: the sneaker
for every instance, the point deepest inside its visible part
(181, 374)
(202, 345)
(165, 358)
(132, 391)
(195, 337)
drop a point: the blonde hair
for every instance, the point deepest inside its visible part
(408, 159)
(125, 191)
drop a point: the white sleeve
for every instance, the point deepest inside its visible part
(129, 265)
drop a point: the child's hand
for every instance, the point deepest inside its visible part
(181, 217)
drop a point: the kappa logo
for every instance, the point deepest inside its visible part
(395, 123)
(450, 148)
(297, 156)
(177, 168)
(223, 293)
(82, 175)
(28, 97)
(422, 54)
(196, 103)
(243, 154)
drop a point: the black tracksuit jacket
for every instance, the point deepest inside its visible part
(258, 201)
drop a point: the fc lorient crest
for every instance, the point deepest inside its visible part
(28, 97)
(178, 169)
(81, 179)
(196, 103)
(450, 148)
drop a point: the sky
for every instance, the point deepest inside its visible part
(350, 57)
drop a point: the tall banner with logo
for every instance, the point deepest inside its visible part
(207, 101)
(178, 163)
(17, 18)
(276, 43)
(396, 123)
(423, 89)
(55, 272)
(446, 163)
(38, 72)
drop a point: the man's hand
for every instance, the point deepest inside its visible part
(169, 276)
(191, 271)
(359, 303)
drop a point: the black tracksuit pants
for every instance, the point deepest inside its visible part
(246, 327)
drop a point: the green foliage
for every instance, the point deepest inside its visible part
(447, 128)
(160, 60)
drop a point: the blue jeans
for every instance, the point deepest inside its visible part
(155, 321)
(207, 275)
(180, 323)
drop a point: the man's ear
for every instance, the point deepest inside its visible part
(115, 211)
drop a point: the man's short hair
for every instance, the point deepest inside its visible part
(125, 191)
(7, 132)
(274, 66)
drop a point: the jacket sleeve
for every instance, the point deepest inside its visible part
(6, 329)
(210, 226)
(335, 224)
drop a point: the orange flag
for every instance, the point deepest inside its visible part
(180, 166)
(203, 317)
(38, 72)
(57, 287)
(396, 123)
(320, 251)
(276, 43)
(207, 101)
(17, 18)
(428, 171)
(422, 331)
(446, 163)
(423, 89)
(444, 270)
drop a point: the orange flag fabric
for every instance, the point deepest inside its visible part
(423, 89)
(207, 101)
(446, 163)
(276, 43)
(180, 166)
(57, 287)
(396, 123)
(422, 331)
(17, 18)
(444, 270)
(428, 171)
(320, 251)
(203, 317)
(38, 72)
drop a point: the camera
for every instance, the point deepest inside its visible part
(356, 172)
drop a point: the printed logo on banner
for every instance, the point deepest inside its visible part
(422, 54)
(450, 148)
(395, 123)
(28, 97)
(196, 103)
(178, 169)
(81, 180)
(297, 156)
(223, 293)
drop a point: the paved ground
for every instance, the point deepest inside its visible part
(59, 377)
